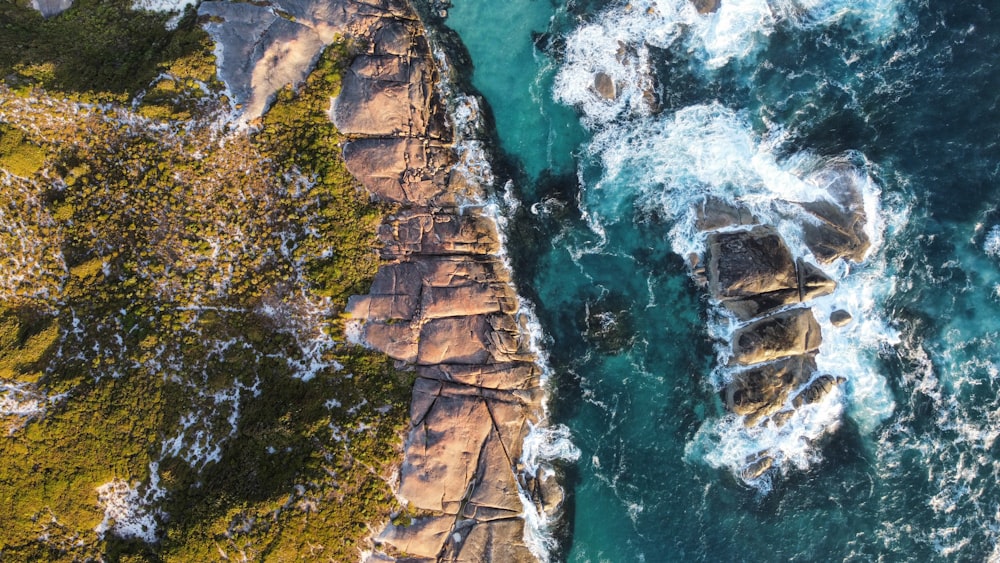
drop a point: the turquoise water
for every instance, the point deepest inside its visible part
(749, 104)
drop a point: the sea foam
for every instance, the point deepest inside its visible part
(669, 165)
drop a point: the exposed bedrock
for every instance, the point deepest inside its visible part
(788, 333)
(750, 272)
(444, 303)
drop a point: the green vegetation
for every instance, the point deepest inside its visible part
(174, 309)
(97, 46)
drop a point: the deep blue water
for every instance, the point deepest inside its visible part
(749, 102)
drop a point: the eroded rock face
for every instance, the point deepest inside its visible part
(838, 228)
(763, 390)
(749, 263)
(790, 333)
(444, 303)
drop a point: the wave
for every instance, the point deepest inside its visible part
(607, 72)
(669, 166)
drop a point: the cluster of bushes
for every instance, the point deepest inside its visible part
(191, 341)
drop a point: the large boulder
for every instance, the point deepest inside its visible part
(714, 214)
(763, 390)
(789, 333)
(749, 263)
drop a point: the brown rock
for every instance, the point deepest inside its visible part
(498, 541)
(454, 340)
(838, 228)
(819, 388)
(495, 495)
(757, 467)
(813, 282)
(424, 537)
(401, 170)
(442, 453)
(398, 340)
(715, 214)
(748, 263)
(418, 231)
(513, 375)
(788, 333)
(385, 96)
(605, 86)
(706, 6)
(840, 318)
(762, 390)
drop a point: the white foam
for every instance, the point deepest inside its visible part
(670, 165)
(616, 43)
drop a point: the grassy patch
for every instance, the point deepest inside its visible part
(190, 329)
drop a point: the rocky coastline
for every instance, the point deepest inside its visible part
(753, 278)
(444, 303)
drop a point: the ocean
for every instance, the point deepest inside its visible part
(756, 103)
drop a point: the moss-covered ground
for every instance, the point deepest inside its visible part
(169, 300)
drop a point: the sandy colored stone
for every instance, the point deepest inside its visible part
(788, 333)
(512, 375)
(763, 390)
(454, 340)
(424, 537)
(396, 340)
(498, 541)
(747, 263)
(443, 452)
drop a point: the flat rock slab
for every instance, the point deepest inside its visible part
(789, 333)
(401, 170)
(443, 452)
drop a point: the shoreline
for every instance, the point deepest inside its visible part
(444, 302)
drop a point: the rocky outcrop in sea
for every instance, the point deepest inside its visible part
(752, 276)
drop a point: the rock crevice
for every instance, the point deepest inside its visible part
(443, 302)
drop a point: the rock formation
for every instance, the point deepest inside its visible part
(750, 272)
(442, 302)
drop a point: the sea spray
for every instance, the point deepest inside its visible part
(670, 165)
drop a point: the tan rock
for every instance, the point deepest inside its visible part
(401, 170)
(788, 333)
(443, 452)
(748, 263)
(763, 390)
(454, 340)
(418, 231)
(424, 537)
(714, 214)
(396, 340)
(511, 375)
(498, 541)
